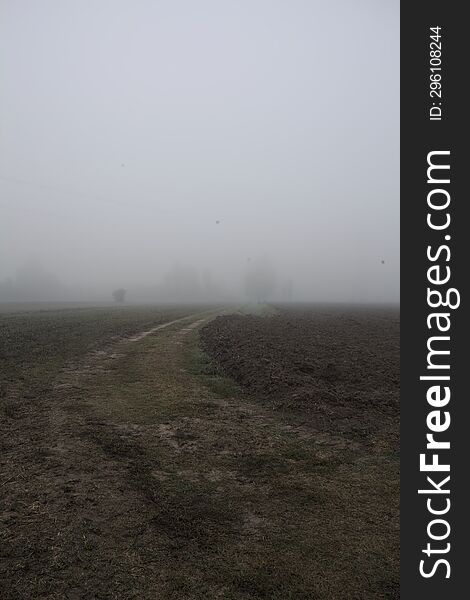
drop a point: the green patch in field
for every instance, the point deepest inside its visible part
(260, 310)
(200, 365)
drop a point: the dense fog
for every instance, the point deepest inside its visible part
(216, 150)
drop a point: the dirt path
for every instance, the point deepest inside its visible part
(155, 478)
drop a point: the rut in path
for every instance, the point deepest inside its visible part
(63, 490)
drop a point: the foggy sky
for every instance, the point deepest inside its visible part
(130, 127)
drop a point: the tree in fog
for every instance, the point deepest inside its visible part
(182, 283)
(119, 295)
(32, 283)
(260, 282)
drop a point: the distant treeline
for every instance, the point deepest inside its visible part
(33, 283)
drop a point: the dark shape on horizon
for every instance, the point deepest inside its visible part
(119, 295)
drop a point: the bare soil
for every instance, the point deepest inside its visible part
(336, 369)
(133, 467)
(332, 374)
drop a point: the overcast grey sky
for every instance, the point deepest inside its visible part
(130, 127)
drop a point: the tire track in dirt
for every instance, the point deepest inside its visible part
(75, 511)
(116, 496)
(140, 336)
(95, 361)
